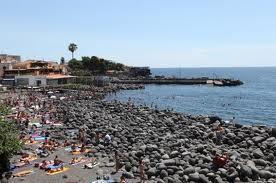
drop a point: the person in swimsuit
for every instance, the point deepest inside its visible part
(142, 170)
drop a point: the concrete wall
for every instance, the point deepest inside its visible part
(30, 80)
(52, 82)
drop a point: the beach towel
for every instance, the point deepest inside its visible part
(75, 152)
(69, 149)
(39, 138)
(57, 171)
(23, 173)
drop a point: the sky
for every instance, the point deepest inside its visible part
(155, 33)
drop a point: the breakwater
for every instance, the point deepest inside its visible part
(182, 81)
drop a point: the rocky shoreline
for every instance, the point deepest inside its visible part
(174, 147)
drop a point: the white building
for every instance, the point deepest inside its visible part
(42, 80)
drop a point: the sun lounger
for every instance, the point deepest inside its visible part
(23, 173)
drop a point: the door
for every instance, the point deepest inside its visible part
(38, 82)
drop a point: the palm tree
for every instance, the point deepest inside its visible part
(72, 47)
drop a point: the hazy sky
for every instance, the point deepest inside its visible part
(157, 33)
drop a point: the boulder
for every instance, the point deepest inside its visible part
(194, 177)
(165, 156)
(189, 170)
(163, 174)
(257, 153)
(203, 179)
(169, 162)
(128, 175)
(151, 172)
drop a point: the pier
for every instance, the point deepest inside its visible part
(181, 81)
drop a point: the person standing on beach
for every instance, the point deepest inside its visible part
(219, 134)
(81, 136)
(117, 162)
(142, 170)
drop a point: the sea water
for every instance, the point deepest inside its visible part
(254, 102)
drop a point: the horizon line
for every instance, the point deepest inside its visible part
(210, 67)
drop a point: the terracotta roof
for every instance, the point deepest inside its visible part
(58, 76)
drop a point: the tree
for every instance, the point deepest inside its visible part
(75, 64)
(72, 48)
(9, 140)
(93, 65)
(62, 60)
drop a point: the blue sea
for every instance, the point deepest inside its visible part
(254, 102)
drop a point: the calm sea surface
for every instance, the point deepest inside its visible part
(253, 102)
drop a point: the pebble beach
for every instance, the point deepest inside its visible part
(173, 147)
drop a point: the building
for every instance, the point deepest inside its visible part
(36, 67)
(43, 80)
(7, 62)
(9, 58)
(36, 73)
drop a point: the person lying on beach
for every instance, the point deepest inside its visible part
(76, 160)
(44, 165)
(48, 146)
(91, 164)
(27, 157)
(54, 144)
(22, 164)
